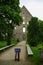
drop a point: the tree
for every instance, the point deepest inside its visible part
(3, 28)
(9, 17)
(41, 30)
(32, 31)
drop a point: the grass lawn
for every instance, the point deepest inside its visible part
(4, 43)
(35, 57)
(14, 42)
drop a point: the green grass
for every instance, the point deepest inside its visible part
(14, 42)
(35, 57)
(4, 43)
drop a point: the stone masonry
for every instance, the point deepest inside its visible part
(20, 31)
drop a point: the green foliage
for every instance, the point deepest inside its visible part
(9, 10)
(32, 32)
(4, 43)
(41, 30)
(36, 55)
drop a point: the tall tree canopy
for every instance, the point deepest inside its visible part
(9, 17)
(32, 31)
(41, 30)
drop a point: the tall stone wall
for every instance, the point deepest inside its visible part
(18, 30)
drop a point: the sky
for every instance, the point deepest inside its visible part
(35, 7)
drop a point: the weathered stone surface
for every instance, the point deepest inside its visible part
(18, 32)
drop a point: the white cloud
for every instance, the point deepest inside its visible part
(36, 9)
(36, 0)
(34, 6)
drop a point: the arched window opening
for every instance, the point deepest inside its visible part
(24, 29)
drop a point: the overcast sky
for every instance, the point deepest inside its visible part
(35, 7)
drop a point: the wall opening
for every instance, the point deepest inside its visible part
(15, 28)
(24, 29)
(27, 23)
(23, 22)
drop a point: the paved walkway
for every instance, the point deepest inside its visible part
(8, 56)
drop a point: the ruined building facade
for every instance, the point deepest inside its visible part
(20, 31)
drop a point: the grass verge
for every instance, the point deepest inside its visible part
(4, 43)
(36, 55)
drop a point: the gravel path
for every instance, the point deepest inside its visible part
(7, 57)
(15, 63)
(10, 54)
